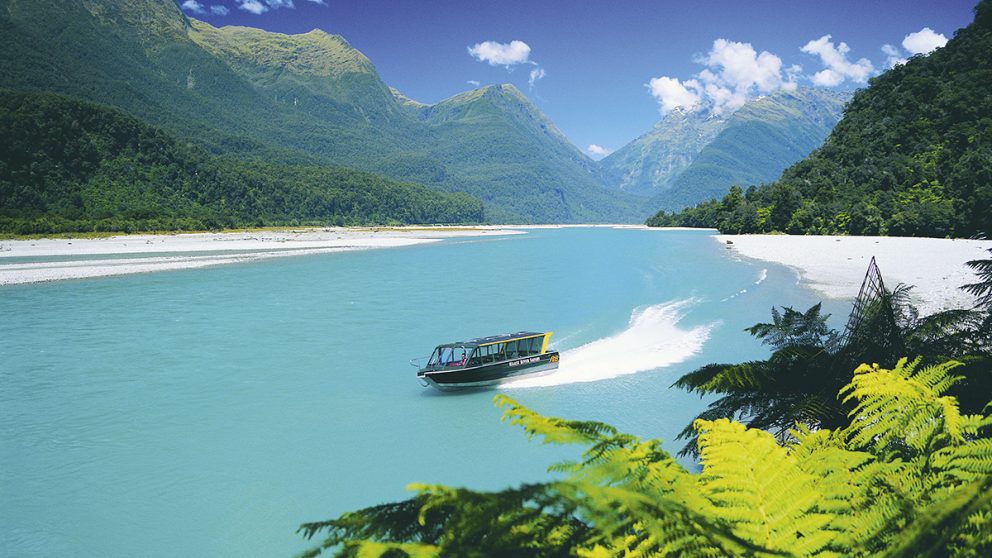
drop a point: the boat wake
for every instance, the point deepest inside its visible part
(761, 279)
(653, 339)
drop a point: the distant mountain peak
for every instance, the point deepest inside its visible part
(159, 18)
(315, 53)
(681, 142)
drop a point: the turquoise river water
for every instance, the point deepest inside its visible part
(209, 412)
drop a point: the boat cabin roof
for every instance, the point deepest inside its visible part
(492, 339)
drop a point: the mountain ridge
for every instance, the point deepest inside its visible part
(650, 162)
(692, 154)
(757, 143)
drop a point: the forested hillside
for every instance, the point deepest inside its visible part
(68, 165)
(301, 99)
(495, 131)
(912, 156)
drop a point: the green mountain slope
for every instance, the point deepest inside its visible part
(912, 156)
(690, 156)
(491, 142)
(757, 143)
(495, 130)
(650, 164)
(69, 165)
(307, 99)
(132, 55)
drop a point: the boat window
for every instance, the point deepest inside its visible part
(529, 346)
(512, 350)
(435, 357)
(449, 356)
(490, 353)
(475, 357)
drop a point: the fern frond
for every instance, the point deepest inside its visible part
(757, 486)
(902, 405)
(724, 378)
(374, 549)
(982, 290)
(937, 526)
(966, 462)
(862, 495)
(791, 327)
(552, 430)
(635, 523)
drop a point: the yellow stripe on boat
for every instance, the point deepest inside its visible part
(517, 339)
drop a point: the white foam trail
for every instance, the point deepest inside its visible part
(652, 340)
(733, 296)
(761, 278)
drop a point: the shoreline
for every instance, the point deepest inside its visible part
(835, 266)
(56, 259)
(64, 257)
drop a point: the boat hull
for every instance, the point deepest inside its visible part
(492, 374)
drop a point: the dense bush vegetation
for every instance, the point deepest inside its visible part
(912, 156)
(810, 362)
(67, 165)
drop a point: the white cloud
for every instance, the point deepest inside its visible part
(193, 6)
(321, 2)
(723, 99)
(838, 67)
(923, 41)
(474, 83)
(500, 54)
(893, 56)
(253, 6)
(259, 7)
(535, 74)
(508, 55)
(741, 68)
(219, 10)
(671, 93)
(597, 151)
(792, 76)
(734, 72)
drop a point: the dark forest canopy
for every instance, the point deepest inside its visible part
(912, 156)
(70, 166)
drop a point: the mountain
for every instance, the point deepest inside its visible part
(495, 130)
(491, 142)
(912, 156)
(693, 155)
(651, 163)
(301, 99)
(758, 142)
(68, 165)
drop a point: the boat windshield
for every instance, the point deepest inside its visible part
(450, 356)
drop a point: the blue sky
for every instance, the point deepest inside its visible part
(605, 72)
